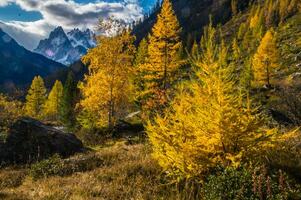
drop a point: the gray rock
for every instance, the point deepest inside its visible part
(30, 140)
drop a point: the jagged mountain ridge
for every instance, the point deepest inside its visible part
(18, 65)
(66, 48)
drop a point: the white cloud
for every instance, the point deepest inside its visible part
(69, 14)
(27, 39)
(5, 2)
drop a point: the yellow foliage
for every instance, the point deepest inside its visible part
(234, 7)
(159, 71)
(236, 50)
(52, 104)
(287, 7)
(210, 122)
(265, 61)
(10, 110)
(35, 98)
(106, 89)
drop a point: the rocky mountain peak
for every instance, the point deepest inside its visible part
(66, 48)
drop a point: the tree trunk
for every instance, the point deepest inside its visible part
(268, 74)
(110, 121)
(165, 68)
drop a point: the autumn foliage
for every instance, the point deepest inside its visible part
(160, 70)
(106, 90)
(206, 107)
(210, 122)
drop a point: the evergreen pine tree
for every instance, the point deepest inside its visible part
(68, 103)
(53, 103)
(35, 98)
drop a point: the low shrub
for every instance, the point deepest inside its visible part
(10, 110)
(55, 166)
(93, 137)
(228, 184)
(81, 163)
(45, 168)
(246, 184)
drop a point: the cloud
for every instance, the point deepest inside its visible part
(29, 40)
(4, 3)
(70, 14)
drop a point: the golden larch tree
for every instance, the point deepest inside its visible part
(142, 53)
(10, 111)
(287, 8)
(234, 7)
(53, 102)
(106, 89)
(35, 98)
(138, 79)
(163, 58)
(265, 60)
(210, 122)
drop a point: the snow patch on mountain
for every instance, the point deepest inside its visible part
(66, 48)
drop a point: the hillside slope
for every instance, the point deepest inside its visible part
(193, 16)
(18, 66)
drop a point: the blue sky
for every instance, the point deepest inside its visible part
(16, 13)
(28, 21)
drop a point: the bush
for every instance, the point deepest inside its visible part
(55, 166)
(81, 163)
(46, 168)
(93, 137)
(229, 184)
(248, 184)
(9, 111)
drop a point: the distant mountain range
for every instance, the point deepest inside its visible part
(26, 39)
(18, 65)
(66, 48)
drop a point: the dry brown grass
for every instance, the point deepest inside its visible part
(127, 172)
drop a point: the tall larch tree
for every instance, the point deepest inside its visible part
(236, 50)
(10, 111)
(142, 53)
(138, 79)
(234, 7)
(265, 61)
(270, 8)
(67, 114)
(210, 122)
(35, 98)
(287, 8)
(163, 59)
(195, 52)
(53, 102)
(106, 90)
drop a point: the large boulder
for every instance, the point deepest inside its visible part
(30, 140)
